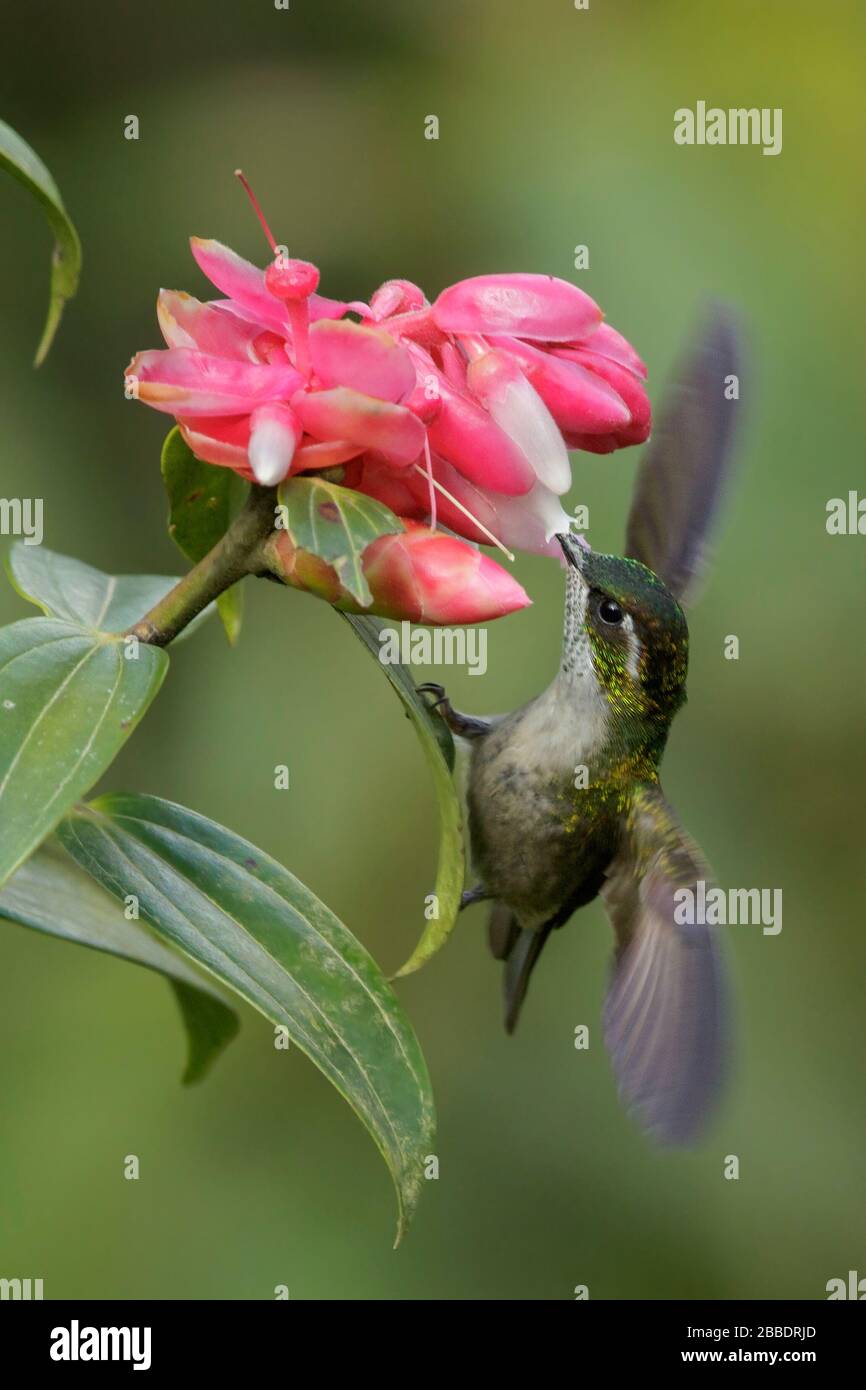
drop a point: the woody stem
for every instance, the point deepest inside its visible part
(231, 559)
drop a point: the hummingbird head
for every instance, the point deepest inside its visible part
(625, 631)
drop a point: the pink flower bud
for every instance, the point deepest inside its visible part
(418, 574)
(396, 297)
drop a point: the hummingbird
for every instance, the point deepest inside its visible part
(564, 798)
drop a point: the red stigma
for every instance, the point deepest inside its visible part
(239, 174)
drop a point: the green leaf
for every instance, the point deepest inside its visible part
(210, 1026)
(51, 894)
(336, 524)
(203, 499)
(78, 593)
(26, 166)
(438, 746)
(69, 699)
(254, 926)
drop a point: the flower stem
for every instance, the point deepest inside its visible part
(232, 558)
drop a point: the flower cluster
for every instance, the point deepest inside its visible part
(459, 412)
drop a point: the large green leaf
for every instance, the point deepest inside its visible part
(52, 895)
(25, 165)
(438, 747)
(202, 500)
(337, 524)
(69, 699)
(66, 588)
(249, 922)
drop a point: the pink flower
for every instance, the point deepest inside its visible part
(461, 411)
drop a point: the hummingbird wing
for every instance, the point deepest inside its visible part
(665, 1016)
(680, 478)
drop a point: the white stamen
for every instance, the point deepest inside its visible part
(429, 470)
(465, 510)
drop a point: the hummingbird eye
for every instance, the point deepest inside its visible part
(610, 612)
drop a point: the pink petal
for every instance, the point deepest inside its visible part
(578, 400)
(497, 381)
(606, 342)
(592, 443)
(241, 281)
(468, 437)
(320, 307)
(223, 440)
(425, 398)
(370, 475)
(472, 497)
(628, 387)
(275, 433)
(417, 326)
(421, 400)
(272, 348)
(529, 306)
(454, 365)
(367, 359)
(324, 455)
(182, 382)
(187, 323)
(342, 413)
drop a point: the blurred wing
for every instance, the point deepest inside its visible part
(680, 477)
(665, 1017)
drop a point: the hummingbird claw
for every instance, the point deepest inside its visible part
(432, 689)
(463, 725)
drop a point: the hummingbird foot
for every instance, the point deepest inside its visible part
(463, 725)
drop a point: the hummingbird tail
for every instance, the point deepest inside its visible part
(520, 949)
(502, 931)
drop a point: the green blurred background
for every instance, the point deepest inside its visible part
(555, 129)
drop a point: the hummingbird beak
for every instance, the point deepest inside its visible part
(574, 552)
(576, 656)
